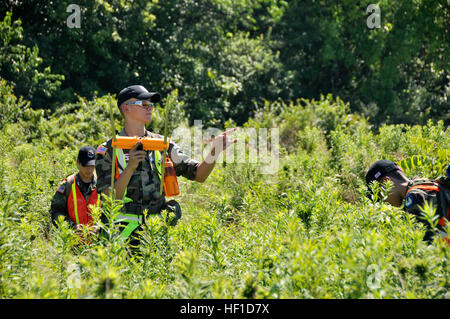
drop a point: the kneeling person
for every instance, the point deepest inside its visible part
(413, 193)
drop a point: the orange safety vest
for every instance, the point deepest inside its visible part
(77, 206)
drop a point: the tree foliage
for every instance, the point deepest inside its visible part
(226, 57)
(22, 65)
(306, 232)
(341, 95)
(395, 73)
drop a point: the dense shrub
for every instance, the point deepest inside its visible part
(305, 232)
(226, 57)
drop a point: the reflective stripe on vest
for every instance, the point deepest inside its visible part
(133, 221)
(75, 202)
(121, 163)
(120, 160)
(77, 207)
(158, 162)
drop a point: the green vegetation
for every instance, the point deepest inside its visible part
(226, 57)
(342, 96)
(306, 232)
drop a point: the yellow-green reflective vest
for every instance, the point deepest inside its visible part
(120, 156)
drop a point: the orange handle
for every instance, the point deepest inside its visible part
(148, 144)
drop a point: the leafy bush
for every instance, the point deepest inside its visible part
(22, 65)
(306, 232)
(226, 57)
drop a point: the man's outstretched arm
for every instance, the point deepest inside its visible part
(219, 144)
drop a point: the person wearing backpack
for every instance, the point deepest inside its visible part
(76, 193)
(413, 193)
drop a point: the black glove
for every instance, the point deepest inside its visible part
(172, 206)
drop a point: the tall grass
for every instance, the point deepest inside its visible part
(308, 232)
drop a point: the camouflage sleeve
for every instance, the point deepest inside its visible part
(414, 201)
(184, 165)
(58, 206)
(103, 167)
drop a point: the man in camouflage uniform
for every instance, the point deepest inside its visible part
(414, 193)
(84, 183)
(140, 180)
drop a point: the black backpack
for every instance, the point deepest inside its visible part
(444, 194)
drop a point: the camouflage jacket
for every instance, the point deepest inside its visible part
(58, 206)
(144, 186)
(415, 199)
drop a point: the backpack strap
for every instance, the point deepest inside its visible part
(425, 187)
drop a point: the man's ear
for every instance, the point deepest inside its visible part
(385, 179)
